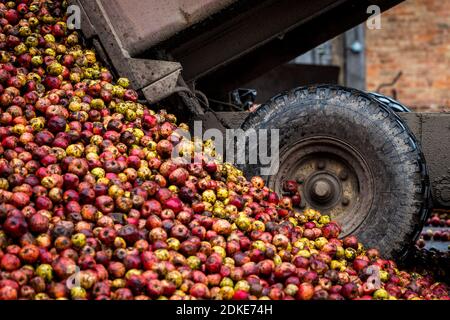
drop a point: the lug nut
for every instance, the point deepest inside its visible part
(321, 164)
(322, 191)
(343, 175)
(345, 202)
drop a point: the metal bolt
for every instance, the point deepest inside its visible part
(343, 175)
(321, 164)
(345, 201)
(321, 191)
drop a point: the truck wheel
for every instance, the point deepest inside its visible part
(355, 160)
(391, 103)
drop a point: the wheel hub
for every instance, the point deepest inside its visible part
(323, 189)
(333, 179)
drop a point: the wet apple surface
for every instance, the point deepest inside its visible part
(93, 205)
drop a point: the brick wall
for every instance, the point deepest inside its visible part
(414, 39)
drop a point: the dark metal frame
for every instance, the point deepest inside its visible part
(232, 47)
(267, 35)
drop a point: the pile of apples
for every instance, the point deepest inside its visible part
(439, 231)
(94, 205)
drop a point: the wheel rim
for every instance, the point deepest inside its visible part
(333, 177)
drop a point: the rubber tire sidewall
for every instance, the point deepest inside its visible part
(394, 220)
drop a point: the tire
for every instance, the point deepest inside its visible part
(389, 189)
(394, 105)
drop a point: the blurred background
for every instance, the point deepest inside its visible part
(408, 59)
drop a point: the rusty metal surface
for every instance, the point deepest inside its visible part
(433, 132)
(143, 24)
(162, 88)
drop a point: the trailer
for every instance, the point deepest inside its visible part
(362, 158)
